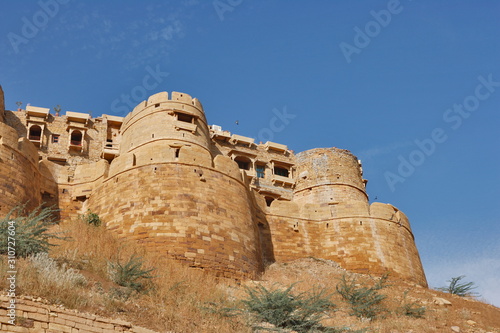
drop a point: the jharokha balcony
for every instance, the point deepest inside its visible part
(76, 145)
(35, 139)
(110, 150)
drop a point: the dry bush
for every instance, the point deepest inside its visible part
(59, 285)
(181, 299)
(51, 273)
(89, 247)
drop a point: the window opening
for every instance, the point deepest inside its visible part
(261, 171)
(76, 138)
(243, 163)
(35, 133)
(281, 171)
(185, 117)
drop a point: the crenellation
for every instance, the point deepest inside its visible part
(201, 195)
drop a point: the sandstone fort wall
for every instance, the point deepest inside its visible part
(206, 197)
(19, 175)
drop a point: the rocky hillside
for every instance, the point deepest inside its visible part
(80, 275)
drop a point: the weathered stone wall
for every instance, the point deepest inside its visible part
(199, 215)
(374, 243)
(38, 317)
(19, 175)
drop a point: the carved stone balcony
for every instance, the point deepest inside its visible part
(111, 150)
(282, 180)
(182, 125)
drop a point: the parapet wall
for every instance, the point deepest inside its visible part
(37, 317)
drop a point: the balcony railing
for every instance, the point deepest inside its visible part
(111, 150)
(35, 138)
(185, 126)
(282, 179)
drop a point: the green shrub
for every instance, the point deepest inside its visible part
(412, 310)
(131, 274)
(300, 312)
(364, 301)
(91, 218)
(27, 234)
(460, 289)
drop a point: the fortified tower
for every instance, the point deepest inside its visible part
(330, 177)
(329, 217)
(163, 122)
(166, 191)
(19, 175)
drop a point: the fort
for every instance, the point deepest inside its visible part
(212, 199)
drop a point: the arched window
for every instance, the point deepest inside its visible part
(269, 201)
(35, 133)
(76, 138)
(244, 163)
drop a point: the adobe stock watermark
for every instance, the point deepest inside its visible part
(11, 271)
(137, 94)
(453, 116)
(222, 6)
(38, 22)
(372, 29)
(277, 124)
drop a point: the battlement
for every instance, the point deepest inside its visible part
(177, 101)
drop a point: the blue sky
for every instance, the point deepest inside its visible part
(411, 87)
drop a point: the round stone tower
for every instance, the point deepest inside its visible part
(342, 226)
(330, 176)
(166, 190)
(174, 122)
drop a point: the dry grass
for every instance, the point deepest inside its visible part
(177, 302)
(180, 295)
